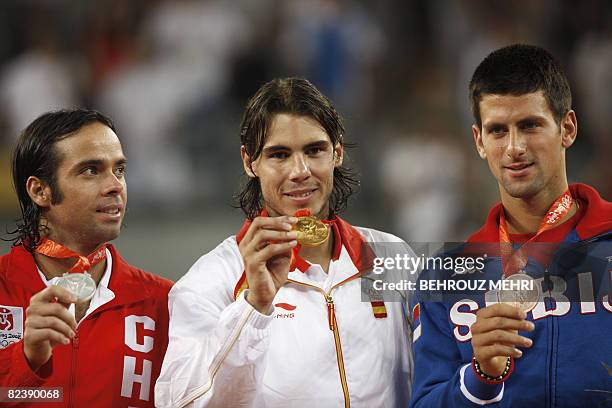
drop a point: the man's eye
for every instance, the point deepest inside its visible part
(279, 155)
(530, 125)
(120, 171)
(89, 171)
(314, 150)
(498, 130)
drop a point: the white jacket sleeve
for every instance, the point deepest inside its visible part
(216, 351)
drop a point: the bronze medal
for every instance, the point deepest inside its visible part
(524, 299)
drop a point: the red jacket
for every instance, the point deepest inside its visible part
(116, 356)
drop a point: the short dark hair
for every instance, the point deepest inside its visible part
(295, 96)
(517, 70)
(35, 155)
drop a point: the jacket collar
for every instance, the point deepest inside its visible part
(597, 218)
(125, 283)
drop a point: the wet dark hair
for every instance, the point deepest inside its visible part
(35, 155)
(295, 96)
(521, 69)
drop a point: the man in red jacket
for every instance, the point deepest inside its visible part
(97, 342)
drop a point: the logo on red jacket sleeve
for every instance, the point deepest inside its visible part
(11, 325)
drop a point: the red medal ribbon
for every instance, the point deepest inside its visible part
(84, 263)
(513, 262)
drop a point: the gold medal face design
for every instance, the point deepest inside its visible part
(311, 231)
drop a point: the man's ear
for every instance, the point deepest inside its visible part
(569, 125)
(246, 163)
(39, 192)
(338, 154)
(478, 141)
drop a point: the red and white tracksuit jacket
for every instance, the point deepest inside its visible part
(116, 355)
(321, 347)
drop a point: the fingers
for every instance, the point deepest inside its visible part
(503, 337)
(273, 250)
(487, 353)
(283, 223)
(47, 320)
(263, 237)
(484, 325)
(495, 333)
(264, 233)
(51, 310)
(501, 310)
(51, 322)
(52, 330)
(52, 293)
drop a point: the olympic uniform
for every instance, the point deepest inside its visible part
(569, 363)
(322, 345)
(116, 355)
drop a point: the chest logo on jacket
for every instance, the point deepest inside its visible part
(283, 315)
(137, 369)
(11, 325)
(463, 313)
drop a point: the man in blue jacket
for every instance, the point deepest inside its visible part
(477, 349)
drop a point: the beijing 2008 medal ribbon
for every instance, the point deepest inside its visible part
(77, 281)
(528, 293)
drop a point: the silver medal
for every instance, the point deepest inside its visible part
(80, 285)
(524, 299)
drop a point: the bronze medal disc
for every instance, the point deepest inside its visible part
(523, 298)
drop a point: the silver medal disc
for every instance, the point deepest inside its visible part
(79, 284)
(525, 292)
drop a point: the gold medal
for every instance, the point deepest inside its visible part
(311, 231)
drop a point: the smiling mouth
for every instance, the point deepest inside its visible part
(300, 194)
(518, 166)
(110, 211)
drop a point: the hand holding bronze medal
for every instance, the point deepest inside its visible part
(525, 292)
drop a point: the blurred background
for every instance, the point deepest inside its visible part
(175, 76)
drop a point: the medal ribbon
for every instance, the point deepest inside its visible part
(513, 262)
(84, 263)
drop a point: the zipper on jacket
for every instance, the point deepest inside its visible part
(75, 347)
(333, 326)
(331, 316)
(552, 362)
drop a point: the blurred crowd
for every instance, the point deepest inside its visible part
(176, 74)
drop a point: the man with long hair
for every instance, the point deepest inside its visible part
(267, 319)
(77, 318)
